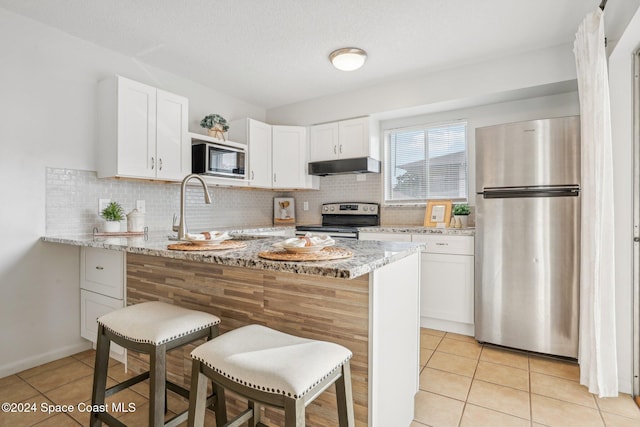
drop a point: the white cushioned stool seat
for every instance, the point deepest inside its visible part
(270, 368)
(268, 360)
(156, 322)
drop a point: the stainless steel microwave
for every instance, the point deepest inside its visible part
(218, 160)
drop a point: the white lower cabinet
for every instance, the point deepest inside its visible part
(447, 283)
(446, 279)
(102, 290)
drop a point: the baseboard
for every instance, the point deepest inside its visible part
(41, 359)
(447, 326)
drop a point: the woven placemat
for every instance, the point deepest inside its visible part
(323, 255)
(223, 246)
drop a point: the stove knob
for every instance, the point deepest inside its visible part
(373, 208)
(326, 208)
(332, 209)
(365, 208)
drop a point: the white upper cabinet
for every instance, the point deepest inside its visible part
(289, 156)
(142, 131)
(277, 154)
(344, 140)
(257, 136)
(323, 144)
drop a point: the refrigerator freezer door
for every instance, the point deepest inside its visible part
(527, 273)
(534, 153)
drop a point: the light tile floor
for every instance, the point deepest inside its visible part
(462, 383)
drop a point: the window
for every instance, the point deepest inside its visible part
(428, 162)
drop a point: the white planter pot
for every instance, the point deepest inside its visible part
(111, 227)
(464, 220)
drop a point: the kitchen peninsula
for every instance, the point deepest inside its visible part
(368, 303)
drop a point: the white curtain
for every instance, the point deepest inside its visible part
(597, 351)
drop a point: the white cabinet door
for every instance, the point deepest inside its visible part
(289, 153)
(136, 129)
(390, 237)
(353, 138)
(142, 132)
(92, 306)
(259, 143)
(173, 155)
(447, 287)
(323, 142)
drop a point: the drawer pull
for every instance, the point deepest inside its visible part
(441, 244)
(99, 267)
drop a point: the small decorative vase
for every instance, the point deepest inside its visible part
(216, 132)
(111, 227)
(464, 220)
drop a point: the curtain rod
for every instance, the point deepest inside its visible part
(603, 3)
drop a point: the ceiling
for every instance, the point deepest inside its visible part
(273, 53)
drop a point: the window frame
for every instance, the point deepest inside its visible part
(386, 168)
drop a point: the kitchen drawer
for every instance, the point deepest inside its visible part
(445, 244)
(103, 271)
(92, 306)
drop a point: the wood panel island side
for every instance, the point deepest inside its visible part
(368, 303)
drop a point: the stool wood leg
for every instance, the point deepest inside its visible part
(345, 397)
(255, 421)
(100, 374)
(293, 412)
(157, 384)
(220, 407)
(198, 397)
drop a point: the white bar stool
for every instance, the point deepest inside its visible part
(271, 368)
(154, 328)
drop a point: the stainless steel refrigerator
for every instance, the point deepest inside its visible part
(527, 266)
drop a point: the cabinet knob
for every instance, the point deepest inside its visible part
(251, 175)
(340, 149)
(160, 163)
(99, 267)
(153, 163)
(274, 177)
(334, 150)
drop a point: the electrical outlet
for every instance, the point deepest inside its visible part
(305, 206)
(102, 204)
(140, 206)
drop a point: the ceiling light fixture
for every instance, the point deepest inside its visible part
(348, 58)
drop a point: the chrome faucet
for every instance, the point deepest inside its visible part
(182, 227)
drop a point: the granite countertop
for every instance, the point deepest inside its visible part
(367, 255)
(418, 229)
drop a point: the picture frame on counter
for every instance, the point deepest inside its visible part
(284, 210)
(438, 213)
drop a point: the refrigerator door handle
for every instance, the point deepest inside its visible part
(523, 192)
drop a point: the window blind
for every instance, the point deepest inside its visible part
(426, 163)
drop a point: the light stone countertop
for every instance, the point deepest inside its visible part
(367, 255)
(418, 229)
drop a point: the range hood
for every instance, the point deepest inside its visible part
(344, 166)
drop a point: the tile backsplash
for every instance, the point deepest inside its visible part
(72, 203)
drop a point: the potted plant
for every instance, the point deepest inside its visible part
(215, 124)
(112, 214)
(461, 213)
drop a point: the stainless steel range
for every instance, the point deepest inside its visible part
(341, 220)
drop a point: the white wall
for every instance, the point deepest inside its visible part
(48, 109)
(621, 87)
